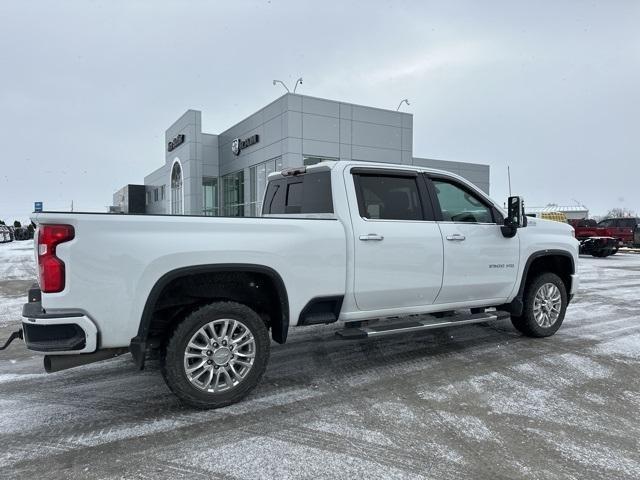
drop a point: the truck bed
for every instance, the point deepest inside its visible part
(115, 260)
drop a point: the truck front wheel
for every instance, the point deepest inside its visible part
(216, 355)
(545, 303)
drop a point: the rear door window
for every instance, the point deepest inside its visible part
(388, 197)
(308, 193)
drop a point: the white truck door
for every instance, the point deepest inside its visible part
(398, 256)
(479, 262)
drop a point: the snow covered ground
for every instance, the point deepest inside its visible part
(17, 273)
(479, 401)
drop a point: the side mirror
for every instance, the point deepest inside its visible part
(515, 217)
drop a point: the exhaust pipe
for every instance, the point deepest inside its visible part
(55, 363)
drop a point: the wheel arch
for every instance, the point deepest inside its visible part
(560, 262)
(279, 321)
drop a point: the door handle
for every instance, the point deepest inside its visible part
(371, 236)
(456, 237)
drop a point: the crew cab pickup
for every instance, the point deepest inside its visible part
(620, 229)
(379, 248)
(623, 229)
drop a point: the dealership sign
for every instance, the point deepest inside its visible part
(176, 142)
(237, 145)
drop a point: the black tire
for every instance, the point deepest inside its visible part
(172, 359)
(526, 324)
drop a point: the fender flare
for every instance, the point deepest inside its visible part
(279, 329)
(517, 304)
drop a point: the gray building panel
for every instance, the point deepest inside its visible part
(376, 135)
(375, 154)
(345, 131)
(346, 111)
(377, 116)
(320, 127)
(319, 106)
(319, 148)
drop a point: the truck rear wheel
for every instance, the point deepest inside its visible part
(545, 304)
(216, 355)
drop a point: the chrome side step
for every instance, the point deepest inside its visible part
(426, 322)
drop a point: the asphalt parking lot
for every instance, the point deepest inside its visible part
(472, 402)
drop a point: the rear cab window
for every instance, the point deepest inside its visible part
(299, 194)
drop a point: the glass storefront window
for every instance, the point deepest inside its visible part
(210, 196)
(252, 191)
(258, 179)
(233, 194)
(176, 189)
(233, 189)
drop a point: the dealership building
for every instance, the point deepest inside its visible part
(226, 173)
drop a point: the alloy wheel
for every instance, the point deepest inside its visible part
(219, 355)
(547, 304)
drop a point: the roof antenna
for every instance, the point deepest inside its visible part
(509, 176)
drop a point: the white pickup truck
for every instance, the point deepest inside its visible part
(382, 249)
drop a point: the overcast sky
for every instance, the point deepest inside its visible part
(551, 88)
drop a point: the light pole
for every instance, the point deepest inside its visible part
(298, 82)
(401, 102)
(281, 83)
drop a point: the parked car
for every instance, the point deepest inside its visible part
(368, 245)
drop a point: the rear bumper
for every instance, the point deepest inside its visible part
(62, 332)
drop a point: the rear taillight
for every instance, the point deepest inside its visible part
(51, 268)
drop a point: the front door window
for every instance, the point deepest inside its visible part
(460, 205)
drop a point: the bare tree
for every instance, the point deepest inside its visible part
(619, 212)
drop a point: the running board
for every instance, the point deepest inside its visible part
(426, 322)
